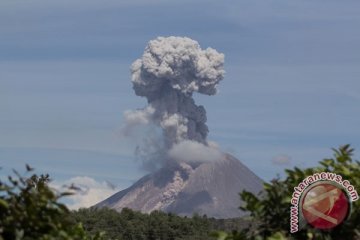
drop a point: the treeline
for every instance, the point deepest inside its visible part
(129, 224)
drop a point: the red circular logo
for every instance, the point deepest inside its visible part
(325, 206)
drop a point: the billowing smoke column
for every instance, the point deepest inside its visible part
(169, 72)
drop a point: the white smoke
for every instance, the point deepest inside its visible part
(169, 72)
(194, 152)
(134, 118)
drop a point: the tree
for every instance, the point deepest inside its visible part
(270, 212)
(30, 209)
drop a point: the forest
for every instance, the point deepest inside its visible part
(129, 224)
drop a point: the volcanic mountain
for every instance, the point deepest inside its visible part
(210, 188)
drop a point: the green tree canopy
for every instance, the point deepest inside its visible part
(30, 210)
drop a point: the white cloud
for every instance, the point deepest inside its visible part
(191, 151)
(281, 160)
(90, 193)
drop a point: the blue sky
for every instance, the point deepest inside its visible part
(291, 91)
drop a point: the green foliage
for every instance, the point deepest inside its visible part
(30, 209)
(129, 224)
(270, 212)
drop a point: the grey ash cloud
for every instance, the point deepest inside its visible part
(169, 72)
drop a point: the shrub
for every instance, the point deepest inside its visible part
(30, 209)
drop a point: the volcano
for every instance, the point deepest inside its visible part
(210, 188)
(196, 177)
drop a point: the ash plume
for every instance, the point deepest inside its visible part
(170, 70)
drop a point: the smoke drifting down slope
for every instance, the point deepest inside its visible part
(212, 188)
(169, 72)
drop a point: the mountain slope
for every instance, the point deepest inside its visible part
(210, 188)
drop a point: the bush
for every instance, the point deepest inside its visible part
(30, 209)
